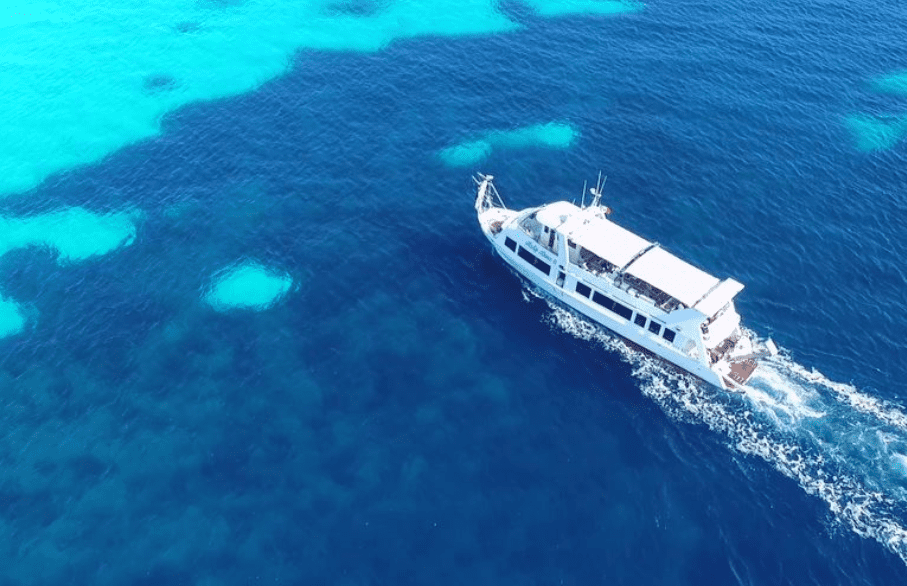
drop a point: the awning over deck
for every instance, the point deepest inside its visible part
(603, 238)
(719, 296)
(677, 278)
(656, 266)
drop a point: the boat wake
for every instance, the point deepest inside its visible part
(838, 443)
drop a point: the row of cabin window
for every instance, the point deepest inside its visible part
(528, 256)
(624, 311)
(584, 290)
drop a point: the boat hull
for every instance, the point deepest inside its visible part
(622, 328)
(652, 299)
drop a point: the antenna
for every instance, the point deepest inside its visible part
(604, 179)
(596, 191)
(584, 194)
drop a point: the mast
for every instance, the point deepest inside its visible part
(597, 193)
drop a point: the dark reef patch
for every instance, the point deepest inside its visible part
(187, 26)
(158, 82)
(220, 3)
(356, 7)
(515, 10)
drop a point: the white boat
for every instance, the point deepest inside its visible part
(633, 287)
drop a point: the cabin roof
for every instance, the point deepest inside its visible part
(599, 235)
(719, 296)
(677, 278)
(555, 214)
(657, 266)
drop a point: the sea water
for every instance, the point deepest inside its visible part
(251, 333)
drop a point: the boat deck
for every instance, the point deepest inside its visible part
(718, 352)
(741, 371)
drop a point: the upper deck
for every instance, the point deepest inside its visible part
(604, 247)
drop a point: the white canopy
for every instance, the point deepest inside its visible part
(619, 246)
(719, 296)
(602, 237)
(677, 278)
(555, 214)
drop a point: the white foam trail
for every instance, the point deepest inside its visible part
(901, 462)
(845, 393)
(771, 422)
(771, 406)
(793, 397)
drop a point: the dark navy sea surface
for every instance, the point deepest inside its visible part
(268, 344)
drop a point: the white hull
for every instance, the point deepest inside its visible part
(559, 266)
(623, 328)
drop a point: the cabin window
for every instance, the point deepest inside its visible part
(611, 305)
(571, 244)
(534, 261)
(602, 300)
(622, 310)
(583, 290)
(668, 335)
(655, 328)
(640, 320)
(509, 243)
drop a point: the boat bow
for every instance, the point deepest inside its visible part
(490, 208)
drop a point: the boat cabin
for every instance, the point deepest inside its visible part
(586, 238)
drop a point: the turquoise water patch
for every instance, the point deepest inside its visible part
(894, 83)
(11, 319)
(75, 233)
(881, 132)
(874, 133)
(558, 7)
(247, 286)
(467, 153)
(555, 135)
(114, 70)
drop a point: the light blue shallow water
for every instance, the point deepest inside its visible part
(251, 333)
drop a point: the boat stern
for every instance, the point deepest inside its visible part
(738, 364)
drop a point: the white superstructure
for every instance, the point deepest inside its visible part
(624, 282)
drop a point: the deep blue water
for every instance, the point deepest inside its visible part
(410, 414)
